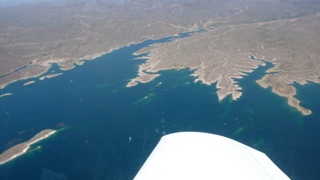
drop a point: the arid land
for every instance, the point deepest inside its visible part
(284, 32)
(222, 55)
(22, 148)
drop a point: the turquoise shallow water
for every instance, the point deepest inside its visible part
(99, 116)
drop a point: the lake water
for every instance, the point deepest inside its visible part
(107, 130)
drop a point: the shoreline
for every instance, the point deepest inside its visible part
(64, 64)
(22, 148)
(292, 101)
(21, 77)
(49, 76)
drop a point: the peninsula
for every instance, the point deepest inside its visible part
(50, 76)
(34, 36)
(22, 148)
(223, 53)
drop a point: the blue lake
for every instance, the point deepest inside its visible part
(107, 130)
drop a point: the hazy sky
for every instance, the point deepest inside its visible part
(4, 3)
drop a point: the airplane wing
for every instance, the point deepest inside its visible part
(203, 156)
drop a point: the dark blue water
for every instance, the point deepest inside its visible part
(99, 115)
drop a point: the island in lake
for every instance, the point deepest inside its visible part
(22, 148)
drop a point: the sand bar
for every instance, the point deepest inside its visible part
(28, 83)
(6, 94)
